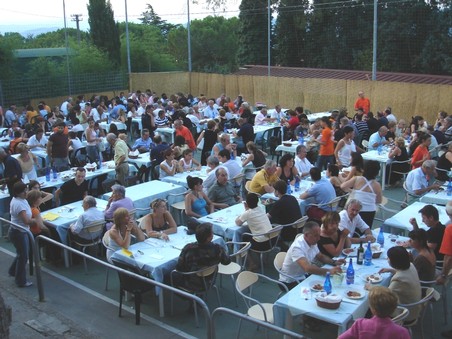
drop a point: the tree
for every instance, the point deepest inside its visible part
(151, 18)
(103, 29)
(6, 59)
(253, 36)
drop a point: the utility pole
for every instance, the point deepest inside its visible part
(77, 18)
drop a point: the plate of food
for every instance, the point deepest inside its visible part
(403, 243)
(374, 278)
(316, 286)
(349, 252)
(354, 294)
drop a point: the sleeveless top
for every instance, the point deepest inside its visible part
(367, 199)
(187, 166)
(163, 174)
(164, 227)
(284, 178)
(93, 135)
(259, 159)
(345, 153)
(210, 138)
(26, 166)
(199, 207)
(444, 164)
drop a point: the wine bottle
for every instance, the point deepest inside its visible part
(360, 258)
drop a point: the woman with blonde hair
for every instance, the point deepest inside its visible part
(160, 222)
(27, 161)
(332, 239)
(397, 153)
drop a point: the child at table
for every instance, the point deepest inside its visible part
(382, 303)
(187, 163)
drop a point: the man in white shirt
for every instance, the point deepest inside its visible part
(278, 114)
(210, 112)
(301, 255)
(417, 180)
(10, 116)
(37, 140)
(66, 106)
(261, 117)
(98, 114)
(90, 214)
(351, 220)
(302, 164)
(233, 166)
(378, 138)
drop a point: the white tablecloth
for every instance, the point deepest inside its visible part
(304, 186)
(106, 127)
(382, 158)
(181, 178)
(143, 159)
(433, 197)
(314, 116)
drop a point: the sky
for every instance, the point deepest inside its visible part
(31, 16)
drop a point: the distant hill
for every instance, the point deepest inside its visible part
(25, 30)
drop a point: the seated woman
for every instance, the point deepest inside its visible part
(45, 196)
(332, 172)
(398, 153)
(444, 164)
(187, 163)
(119, 233)
(382, 302)
(421, 152)
(197, 204)
(286, 171)
(169, 166)
(159, 223)
(332, 239)
(425, 260)
(405, 280)
(357, 167)
(257, 221)
(256, 156)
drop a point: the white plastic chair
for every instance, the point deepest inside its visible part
(278, 263)
(423, 303)
(402, 313)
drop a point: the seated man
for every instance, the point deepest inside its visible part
(212, 163)
(302, 164)
(321, 193)
(417, 180)
(158, 149)
(144, 143)
(351, 220)
(378, 138)
(73, 190)
(223, 192)
(117, 199)
(264, 180)
(435, 232)
(200, 254)
(37, 140)
(233, 166)
(90, 214)
(301, 255)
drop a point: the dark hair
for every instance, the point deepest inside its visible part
(167, 152)
(347, 129)
(33, 183)
(284, 159)
(252, 200)
(225, 153)
(193, 181)
(430, 211)
(399, 258)
(186, 152)
(203, 232)
(316, 173)
(371, 169)
(357, 161)
(179, 140)
(280, 186)
(333, 169)
(18, 188)
(157, 139)
(420, 235)
(327, 121)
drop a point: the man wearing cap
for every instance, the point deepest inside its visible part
(57, 148)
(435, 233)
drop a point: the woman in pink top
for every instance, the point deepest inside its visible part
(382, 303)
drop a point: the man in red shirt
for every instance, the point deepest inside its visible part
(362, 102)
(185, 132)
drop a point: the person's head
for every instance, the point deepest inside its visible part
(383, 130)
(428, 167)
(187, 154)
(325, 122)
(252, 200)
(179, 140)
(280, 187)
(204, 233)
(111, 137)
(157, 139)
(392, 125)
(357, 161)
(34, 185)
(222, 175)
(39, 133)
(332, 170)
(361, 94)
(301, 151)
(20, 190)
(330, 221)
(168, 154)
(34, 198)
(382, 301)
(251, 147)
(286, 160)
(178, 124)
(145, 134)
(311, 232)
(224, 155)
(430, 215)
(400, 142)
(17, 134)
(348, 132)
(418, 239)
(211, 124)
(59, 126)
(88, 202)
(158, 205)
(194, 183)
(121, 217)
(22, 148)
(315, 173)
(353, 207)
(80, 175)
(212, 162)
(371, 169)
(118, 192)
(399, 258)
(425, 139)
(225, 139)
(270, 167)
(401, 124)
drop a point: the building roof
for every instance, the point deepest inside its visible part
(42, 52)
(295, 72)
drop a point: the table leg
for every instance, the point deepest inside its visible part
(288, 323)
(161, 305)
(383, 175)
(66, 258)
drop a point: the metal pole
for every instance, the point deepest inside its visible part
(268, 36)
(67, 50)
(129, 67)
(374, 53)
(188, 37)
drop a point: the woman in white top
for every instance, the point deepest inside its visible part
(91, 141)
(27, 161)
(367, 190)
(187, 163)
(345, 147)
(169, 166)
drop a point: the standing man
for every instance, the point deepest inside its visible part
(57, 148)
(121, 157)
(73, 190)
(362, 102)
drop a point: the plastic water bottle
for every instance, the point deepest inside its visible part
(55, 173)
(449, 188)
(381, 237)
(47, 173)
(368, 255)
(289, 189)
(379, 149)
(300, 138)
(297, 184)
(327, 287)
(100, 161)
(350, 276)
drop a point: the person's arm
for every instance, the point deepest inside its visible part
(45, 196)
(122, 242)
(305, 195)
(188, 209)
(420, 191)
(348, 185)
(413, 223)
(201, 136)
(248, 159)
(447, 267)
(211, 204)
(121, 159)
(314, 269)
(25, 219)
(339, 146)
(395, 151)
(334, 250)
(350, 175)
(49, 150)
(197, 164)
